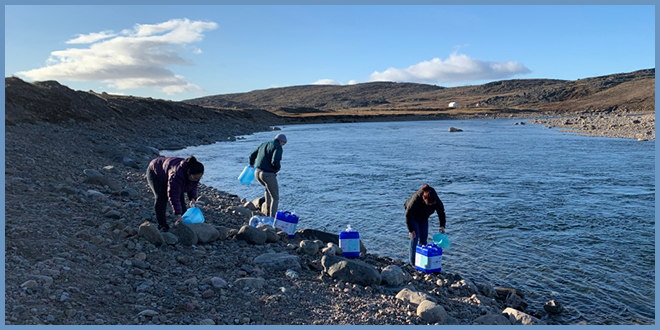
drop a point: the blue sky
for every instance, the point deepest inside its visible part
(182, 52)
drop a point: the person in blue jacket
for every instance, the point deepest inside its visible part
(170, 178)
(419, 208)
(266, 160)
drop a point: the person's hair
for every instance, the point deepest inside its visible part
(426, 194)
(194, 167)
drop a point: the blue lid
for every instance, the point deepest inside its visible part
(349, 234)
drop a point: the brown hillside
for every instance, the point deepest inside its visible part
(634, 91)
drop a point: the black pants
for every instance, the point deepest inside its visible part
(160, 195)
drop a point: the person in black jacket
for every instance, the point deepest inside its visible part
(419, 208)
(266, 160)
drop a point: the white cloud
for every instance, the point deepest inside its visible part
(91, 38)
(457, 68)
(326, 82)
(333, 82)
(136, 58)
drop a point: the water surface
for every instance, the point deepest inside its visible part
(560, 216)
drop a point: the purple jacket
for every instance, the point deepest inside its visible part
(173, 171)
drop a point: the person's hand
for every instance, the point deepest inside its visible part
(412, 235)
(442, 230)
(193, 203)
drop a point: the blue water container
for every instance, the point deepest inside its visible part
(349, 242)
(428, 258)
(287, 222)
(247, 175)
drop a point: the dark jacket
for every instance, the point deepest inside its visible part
(267, 156)
(417, 210)
(173, 171)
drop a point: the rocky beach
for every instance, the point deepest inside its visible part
(81, 245)
(81, 249)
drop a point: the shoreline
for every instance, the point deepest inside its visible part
(92, 268)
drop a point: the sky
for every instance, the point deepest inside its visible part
(183, 52)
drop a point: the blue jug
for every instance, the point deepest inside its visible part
(193, 215)
(247, 175)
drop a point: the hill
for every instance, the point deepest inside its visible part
(634, 91)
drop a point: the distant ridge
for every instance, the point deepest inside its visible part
(634, 91)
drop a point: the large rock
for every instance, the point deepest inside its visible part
(151, 234)
(515, 301)
(91, 173)
(487, 290)
(271, 233)
(392, 276)
(491, 319)
(103, 181)
(331, 250)
(517, 317)
(170, 239)
(313, 234)
(252, 235)
(277, 261)
(431, 312)
(308, 247)
(553, 307)
(241, 210)
(186, 235)
(413, 297)
(205, 232)
(353, 271)
(223, 232)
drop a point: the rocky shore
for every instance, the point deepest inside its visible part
(81, 248)
(613, 125)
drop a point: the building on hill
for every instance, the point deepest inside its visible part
(452, 105)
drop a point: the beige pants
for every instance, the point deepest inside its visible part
(269, 180)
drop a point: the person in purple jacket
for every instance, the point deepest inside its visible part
(169, 178)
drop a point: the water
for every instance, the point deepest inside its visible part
(560, 216)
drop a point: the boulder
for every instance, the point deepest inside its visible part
(186, 235)
(331, 250)
(240, 210)
(150, 233)
(431, 312)
(223, 232)
(353, 271)
(553, 307)
(487, 290)
(205, 232)
(170, 239)
(454, 129)
(250, 282)
(515, 301)
(277, 261)
(313, 234)
(103, 181)
(491, 319)
(308, 247)
(392, 276)
(218, 282)
(413, 297)
(252, 235)
(271, 234)
(517, 317)
(91, 173)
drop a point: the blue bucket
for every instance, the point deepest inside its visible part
(441, 240)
